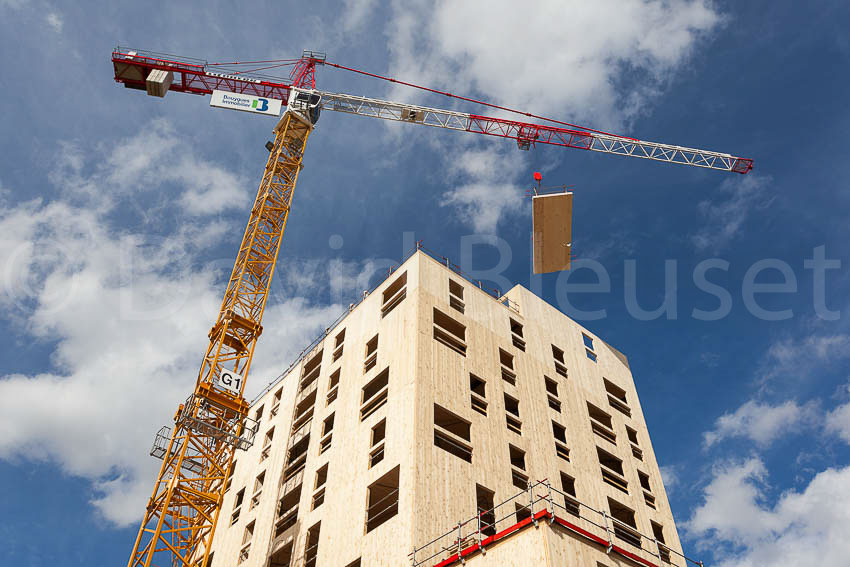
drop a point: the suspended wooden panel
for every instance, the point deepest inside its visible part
(552, 225)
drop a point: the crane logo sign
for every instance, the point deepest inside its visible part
(247, 103)
(230, 381)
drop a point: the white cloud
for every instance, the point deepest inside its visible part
(838, 420)
(760, 422)
(724, 218)
(355, 13)
(144, 164)
(125, 315)
(802, 528)
(569, 59)
(54, 20)
(600, 63)
(670, 476)
(798, 357)
(487, 193)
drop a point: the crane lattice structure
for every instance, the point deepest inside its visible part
(182, 513)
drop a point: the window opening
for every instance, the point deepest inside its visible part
(449, 332)
(382, 500)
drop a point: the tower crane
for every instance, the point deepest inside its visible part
(213, 422)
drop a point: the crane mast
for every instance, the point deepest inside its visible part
(197, 456)
(182, 513)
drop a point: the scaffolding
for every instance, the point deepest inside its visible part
(541, 502)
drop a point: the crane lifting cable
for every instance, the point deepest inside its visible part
(475, 101)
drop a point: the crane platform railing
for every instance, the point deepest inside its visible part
(542, 502)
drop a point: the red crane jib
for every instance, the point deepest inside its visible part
(132, 69)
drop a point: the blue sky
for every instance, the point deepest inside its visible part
(120, 214)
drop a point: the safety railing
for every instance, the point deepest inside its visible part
(542, 502)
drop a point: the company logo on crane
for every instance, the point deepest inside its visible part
(247, 103)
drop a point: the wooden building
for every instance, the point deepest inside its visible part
(437, 418)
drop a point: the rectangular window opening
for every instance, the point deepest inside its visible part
(590, 354)
(633, 441)
(506, 359)
(601, 423)
(379, 432)
(484, 503)
(523, 512)
(512, 415)
(478, 387)
(382, 500)
(451, 422)
(258, 489)
(452, 445)
(519, 480)
(282, 557)
(478, 404)
(517, 457)
(287, 510)
(516, 335)
(311, 546)
(371, 358)
(376, 453)
(558, 354)
(568, 485)
(375, 394)
(338, 345)
(588, 341)
(644, 481)
(394, 294)
(248, 533)
(318, 499)
(333, 387)
(456, 296)
(310, 372)
(560, 364)
(560, 433)
(449, 332)
(625, 527)
(319, 486)
(516, 328)
(658, 533)
(327, 433)
(452, 433)
(276, 403)
(513, 424)
(612, 470)
(511, 405)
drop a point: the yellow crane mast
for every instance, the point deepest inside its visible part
(181, 515)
